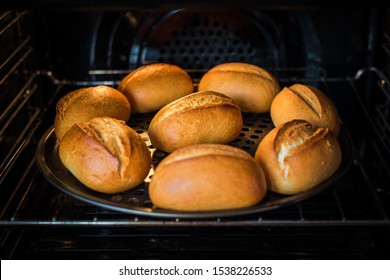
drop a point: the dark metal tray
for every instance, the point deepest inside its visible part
(136, 201)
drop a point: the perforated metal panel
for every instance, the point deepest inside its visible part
(202, 40)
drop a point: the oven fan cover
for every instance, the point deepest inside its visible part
(201, 40)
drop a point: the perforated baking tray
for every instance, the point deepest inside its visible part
(137, 202)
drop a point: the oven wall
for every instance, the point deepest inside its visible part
(339, 41)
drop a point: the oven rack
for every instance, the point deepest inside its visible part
(359, 198)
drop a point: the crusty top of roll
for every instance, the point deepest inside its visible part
(244, 68)
(305, 102)
(297, 156)
(155, 69)
(200, 117)
(295, 136)
(206, 177)
(199, 150)
(252, 87)
(110, 133)
(310, 95)
(67, 99)
(105, 98)
(105, 155)
(86, 103)
(201, 99)
(150, 87)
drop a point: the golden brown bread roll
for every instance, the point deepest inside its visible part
(86, 103)
(201, 117)
(307, 103)
(252, 87)
(206, 177)
(150, 87)
(296, 156)
(105, 155)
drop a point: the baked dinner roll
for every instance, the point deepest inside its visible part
(86, 103)
(296, 156)
(150, 87)
(252, 87)
(307, 103)
(105, 155)
(200, 117)
(206, 177)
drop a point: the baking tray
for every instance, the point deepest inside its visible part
(137, 202)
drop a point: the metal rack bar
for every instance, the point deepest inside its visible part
(20, 144)
(339, 206)
(15, 111)
(16, 189)
(23, 93)
(14, 53)
(382, 80)
(386, 45)
(4, 14)
(14, 21)
(17, 64)
(381, 158)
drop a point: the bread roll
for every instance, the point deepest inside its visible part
(86, 103)
(207, 177)
(252, 87)
(201, 117)
(105, 155)
(296, 156)
(150, 87)
(307, 103)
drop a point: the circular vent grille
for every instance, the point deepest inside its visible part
(276, 40)
(195, 40)
(204, 44)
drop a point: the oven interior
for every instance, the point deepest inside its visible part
(47, 53)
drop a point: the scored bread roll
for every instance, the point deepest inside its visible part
(296, 156)
(86, 103)
(206, 177)
(150, 87)
(252, 87)
(307, 103)
(200, 117)
(105, 155)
